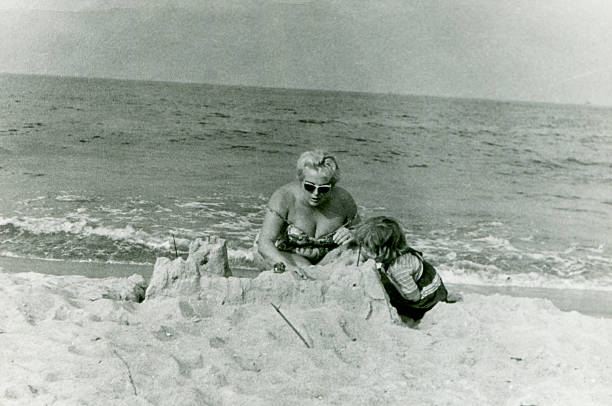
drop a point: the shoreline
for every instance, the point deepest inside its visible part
(595, 303)
(61, 268)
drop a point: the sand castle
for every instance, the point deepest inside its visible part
(195, 335)
(206, 274)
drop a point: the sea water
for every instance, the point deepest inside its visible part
(493, 192)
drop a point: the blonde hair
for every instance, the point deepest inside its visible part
(382, 236)
(320, 161)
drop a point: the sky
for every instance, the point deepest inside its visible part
(528, 50)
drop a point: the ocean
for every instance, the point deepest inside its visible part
(118, 172)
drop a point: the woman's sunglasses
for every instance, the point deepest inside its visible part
(322, 189)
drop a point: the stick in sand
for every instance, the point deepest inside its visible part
(290, 325)
(358, 254)
(175, 251)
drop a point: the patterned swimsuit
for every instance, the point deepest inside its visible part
(292, 238)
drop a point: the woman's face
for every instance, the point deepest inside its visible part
(316, 187)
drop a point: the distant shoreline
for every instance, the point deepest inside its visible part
(596, 303)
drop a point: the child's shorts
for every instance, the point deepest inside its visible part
(416, 310)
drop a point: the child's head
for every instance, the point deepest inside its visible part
(381, 238)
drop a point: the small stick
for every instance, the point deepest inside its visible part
(129, 371)
(358, 254)
(175, 251)
(290, 325)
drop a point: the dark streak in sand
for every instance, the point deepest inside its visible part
(310, 121)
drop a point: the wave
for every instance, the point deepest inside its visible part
(82, 227)
(469, 273)
(199, 205)
(82, 237)
(67, 197)
(545, 163)
(577, 161)
(483, 255)
(480, 253)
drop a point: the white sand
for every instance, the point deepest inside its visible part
(65, 341)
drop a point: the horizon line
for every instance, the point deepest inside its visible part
(389, 93)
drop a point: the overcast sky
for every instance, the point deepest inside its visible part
(537, 50)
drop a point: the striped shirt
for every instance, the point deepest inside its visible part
(405, 274)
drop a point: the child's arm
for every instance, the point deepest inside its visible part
(402, 274)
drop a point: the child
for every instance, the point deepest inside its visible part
(413, 285)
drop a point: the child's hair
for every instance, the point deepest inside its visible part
(382, 236)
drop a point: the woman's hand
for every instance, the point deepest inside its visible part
(308, 252)
(342, 236)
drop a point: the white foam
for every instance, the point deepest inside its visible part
(198, 205)
(242, 254)
(81, 225)
(73, 198)
(489, 275)
(35, 199)
(497, 242)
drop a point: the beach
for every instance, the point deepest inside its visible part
(156, 194)
(76, 340)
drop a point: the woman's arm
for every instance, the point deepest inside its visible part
(274, 221)
(270, 231)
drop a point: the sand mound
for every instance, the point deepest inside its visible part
(200, 338)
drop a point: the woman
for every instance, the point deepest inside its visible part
(307, 218)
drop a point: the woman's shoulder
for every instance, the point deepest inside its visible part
(345, 200)
(283, 198)
(343, 194)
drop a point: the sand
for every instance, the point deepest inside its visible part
(73, 340)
